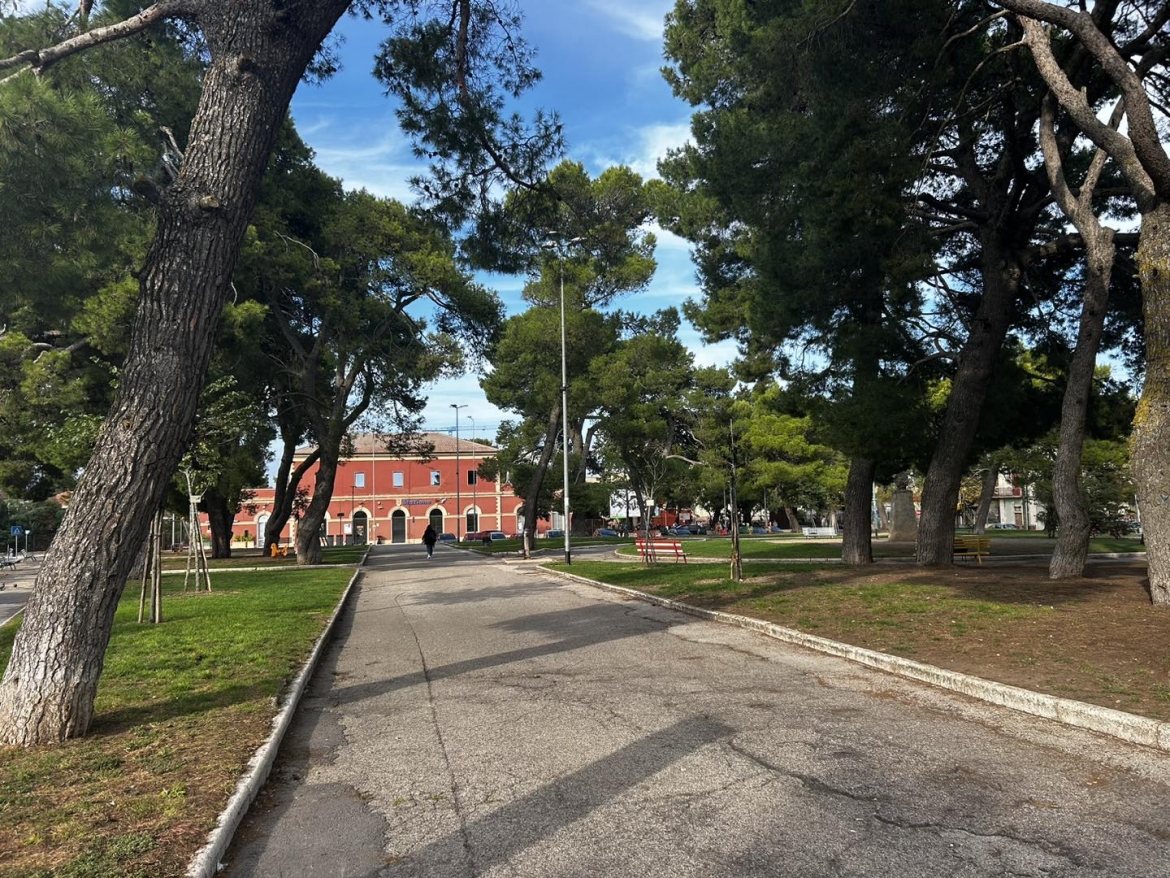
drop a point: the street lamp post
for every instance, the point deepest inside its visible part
(458, 503)
(564, 391)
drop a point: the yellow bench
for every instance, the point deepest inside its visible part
(972, 547)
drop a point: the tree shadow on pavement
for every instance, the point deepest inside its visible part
(476, 595)
(496, 838)
(573, 629)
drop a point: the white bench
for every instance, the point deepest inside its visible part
(819, 531)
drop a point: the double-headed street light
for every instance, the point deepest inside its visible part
(458, 503)
(560, 251)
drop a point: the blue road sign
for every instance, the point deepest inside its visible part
(17, 530)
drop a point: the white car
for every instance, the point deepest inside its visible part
(1002, 525)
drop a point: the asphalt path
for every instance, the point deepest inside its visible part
(475, 718)
(15, 587)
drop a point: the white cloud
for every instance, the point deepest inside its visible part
(640, 20)
(382, 164)
(640, 149)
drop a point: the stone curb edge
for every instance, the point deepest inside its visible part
(206, 861)
(15, 615)
(1116, 723)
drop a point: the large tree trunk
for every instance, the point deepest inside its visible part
(532, 495)
(986, 495)
(1072, 536)
(1150, 442)
(284, 495)
(856, 545)
(309, 530)
(220, 517)
(793, 520)
(259, 51)
(940, 493)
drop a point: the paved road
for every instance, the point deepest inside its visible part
(15, 588)
(478, 719)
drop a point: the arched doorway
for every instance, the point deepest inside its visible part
(261, 526)
(360, 528)
(398, 526)
(473, 520)
(437, 520)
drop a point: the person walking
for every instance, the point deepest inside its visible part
(429, 539)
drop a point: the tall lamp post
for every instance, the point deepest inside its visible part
(458, 503)
(560, 251)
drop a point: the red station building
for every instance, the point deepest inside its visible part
(383, 497)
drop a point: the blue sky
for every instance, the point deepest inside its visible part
(601, 62)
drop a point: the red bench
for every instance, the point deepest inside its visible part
(651, 550)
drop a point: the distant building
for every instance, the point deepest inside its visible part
(380, 496)
(1013, 504)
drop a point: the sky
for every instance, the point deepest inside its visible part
(601, 61)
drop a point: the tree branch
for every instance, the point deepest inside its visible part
(40, 59)
(1141, 155)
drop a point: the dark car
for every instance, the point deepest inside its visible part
(555, 534)
(605, 532)
(447, 538)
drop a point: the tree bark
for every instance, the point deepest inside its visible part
(793, 521)
(856, 543)
(532, 495)
(1150, 442)
(220, 517)
(1072, 535)
(259, 51)
(284, 494)
(309, 530)
(986, 495)
(940, 493)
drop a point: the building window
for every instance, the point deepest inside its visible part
(398, 480)
(434, 478)
(472, 477)
(359, 480)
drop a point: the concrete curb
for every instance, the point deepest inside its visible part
(10, 618)
(206, 861)
(1118, 724)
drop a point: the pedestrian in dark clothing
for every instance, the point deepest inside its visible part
(429, 539)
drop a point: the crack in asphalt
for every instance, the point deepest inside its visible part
(453, 783)
(816, 785)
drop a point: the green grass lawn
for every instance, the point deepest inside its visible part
(181, 708)
(780, 548)
(544, 545)
(256, 558)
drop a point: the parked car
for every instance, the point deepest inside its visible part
(477, 536)
(605, 532)
(1002, 525)
(497, 535)
(555, 534)
(447, 538)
